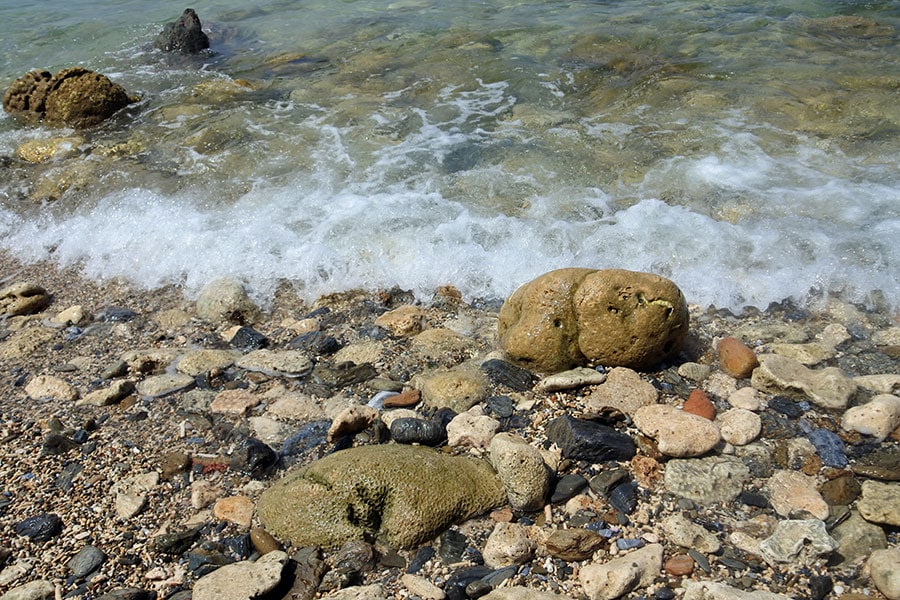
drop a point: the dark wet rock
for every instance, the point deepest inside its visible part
(86, 561)
(344, 374)
(56, 443)
(586, 440)
(184, 35)
(203, 561)
(417, 431)
(505, 373)
(602, 483)
(840, 491)
(883, 463)
(177, 542)
(247, 338)
(623, 497)
(478, 588)
(115, 314)
(307, 437)
(753, 499)
(65, 480)
(776, 427)
(239, 546)
(700, 559)
(453, 546)
(254, 457)
(500, 406)
(820, 586)
(308, 567)
(422, 556)
(829, 447)
(40, 528)
(315, 342)
(455, 586)
(566, 487)
(76, 97)
(786, 406)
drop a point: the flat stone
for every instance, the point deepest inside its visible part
(706, 480)
(797, 541)
(296, 407)
(114, 393)
(86, 561)
(38, 589)
(746, 398)
(25, 342)
(441, 345)
(198, 362)
(884, 568)
(736, 358)
(421, 587)
(157, 386)
(621, 575)
(522, 470)
(687, 534)
(676, 432)
(624, 390)
(880, 502)
(404, 321)
(130, 494)
(243, 580)
(287, 363)
(857, 539)
(48, 386)
(879, 417)
(828, 388)
(234, 509)
(508, 544)
(359, 592)
(204, 493)
(586, 440)
(570, 380)
(234, 402)
(679, 565)
(694, 371)
(352, 420)
(791, 492)
(519, 592)
(708, 590)
(573, 543)
(471, 429)
(884, 383)
(738, 426)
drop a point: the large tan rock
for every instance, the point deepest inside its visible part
(613, 317)
(401, 494)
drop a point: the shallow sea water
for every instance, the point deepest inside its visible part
(748, 151)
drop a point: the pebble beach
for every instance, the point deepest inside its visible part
(136, 437)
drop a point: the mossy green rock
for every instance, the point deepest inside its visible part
(401, 495)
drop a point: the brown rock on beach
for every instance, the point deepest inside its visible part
(736, 358)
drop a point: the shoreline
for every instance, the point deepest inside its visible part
(139, 434)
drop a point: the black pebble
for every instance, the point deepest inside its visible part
(567, 487)
(40, 528)
(115, 314)
(623, 497)
(508, 374)
(786, 406)
(453, 545)
(247, 338)
(86, 561)
(423, 555)
(500, 406)
(664, 594)
(56, 443)
(417, 431)
(820, 586)
(753, 499)
(254, 457)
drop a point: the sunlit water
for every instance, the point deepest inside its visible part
(748, 151)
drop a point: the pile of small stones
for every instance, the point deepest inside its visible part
(138, 430)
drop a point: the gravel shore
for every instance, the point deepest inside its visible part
(113, 477)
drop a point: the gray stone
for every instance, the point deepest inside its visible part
(33, 590)
(459, 390)
(86, 561)
(739, 426)
(621, 575)
(797, 541)
(402, 494)
(226, 300)
(197, 362)
(288, 363)
(857, 538)
(115, 392)
(829, 387)
(243, 580)
(157, 386)
(884, 567)
(880, 502)
(708, 590)
(522, 470)
(706, 480)
(687, 534)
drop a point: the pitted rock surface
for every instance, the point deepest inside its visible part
(76, 97)
(403, 495)
(184, 35)
(570, 317)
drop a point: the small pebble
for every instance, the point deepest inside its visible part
(679, 565)
(40, 528)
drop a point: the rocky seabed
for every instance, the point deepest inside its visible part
(372, 446)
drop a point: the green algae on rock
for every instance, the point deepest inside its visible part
(571, 317)
(402, 495)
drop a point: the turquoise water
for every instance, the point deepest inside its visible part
(748, 151)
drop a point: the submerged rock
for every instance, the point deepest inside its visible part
(401, 494)
(568, 317)
(76, 97)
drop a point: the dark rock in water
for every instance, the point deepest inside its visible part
(40, 528)
(455, 586)
(316, 342)
(776, 427)
(623, 497)
(417, 431)
(240, 545)
(184, 35)
(829, 447)
(500, 406)
(255, 457)
(478, 588)
(247, 338)
(567, 487)
(508, 374)
(308, 568)
(786, 406)
(423, 555)
(76, 97)
(664, 594)
(86, 561)
(586, 440)
(307, 437)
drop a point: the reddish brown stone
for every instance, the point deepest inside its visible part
(679, 565)
(736, 358)
(698, 403)
(407, 398)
